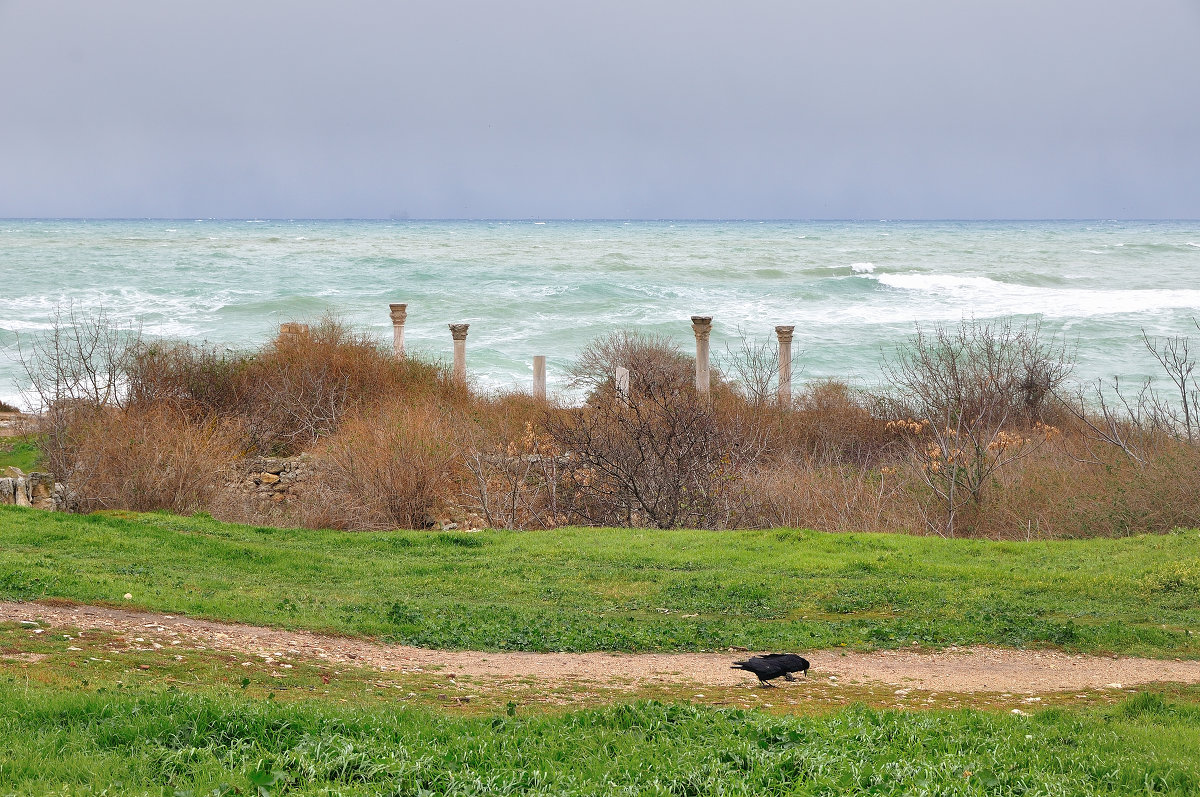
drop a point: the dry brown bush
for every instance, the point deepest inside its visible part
(1057, 494)
(294, 390)
(830, 498)
(150, 459)
(835, 425)
(386, 467)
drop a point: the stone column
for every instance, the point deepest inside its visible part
(459, 333)
(22, 491)
(785, 364)
(539, 377)
(399, 314)
(622, 378)
(292, 330)
(702, 326)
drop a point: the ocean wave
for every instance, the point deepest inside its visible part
(862, 268)
(984, 296)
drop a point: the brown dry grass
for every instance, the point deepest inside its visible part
(387, 467)
(151, 458)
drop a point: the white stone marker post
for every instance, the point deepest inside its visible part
(399, 313)
(622, 375)
(539, 377)
(459, 333)
(702, 326)
(784, 334)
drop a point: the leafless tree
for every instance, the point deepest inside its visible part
(1173, 354)
(659, 455)
(76, 369)
(976, 394)
(514, 482)
(753, 368)
(1133, 420)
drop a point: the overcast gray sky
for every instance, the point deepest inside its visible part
(641, 108)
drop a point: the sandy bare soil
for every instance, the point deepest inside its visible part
(974, 669)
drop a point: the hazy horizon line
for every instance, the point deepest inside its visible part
(859, 220)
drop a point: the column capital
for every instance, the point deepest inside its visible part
(785, 333)
(399, 313)
(701, 325)
(458, 331)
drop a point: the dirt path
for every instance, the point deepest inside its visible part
(974, 669)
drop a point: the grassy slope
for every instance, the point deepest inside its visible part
(588, 589)
(138, 741)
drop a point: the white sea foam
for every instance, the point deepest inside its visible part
(988, 297)
(862, 268)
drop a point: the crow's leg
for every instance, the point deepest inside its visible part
(766, 684)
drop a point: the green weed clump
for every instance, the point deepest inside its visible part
(144, 742)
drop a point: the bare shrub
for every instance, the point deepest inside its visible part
(149, 459)
(514, 466)
(76, 370)
(293, 391)
(657, 456)
(202, 381)
(1137, 421)
(835, 425)
(301, 386)
(964, 388)
(752, 366)
(647, 357)
(386, 467)
(1180, 416)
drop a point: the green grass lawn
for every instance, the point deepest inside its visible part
(21, 452)
(620, 589)
(142, 740)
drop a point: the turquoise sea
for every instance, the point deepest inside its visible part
(852, 289)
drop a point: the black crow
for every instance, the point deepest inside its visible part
(773, 665)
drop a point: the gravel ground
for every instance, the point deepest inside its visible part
(971, 669)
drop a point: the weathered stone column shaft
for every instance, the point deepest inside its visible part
(622, 379)
(784, 334)
(399, 313)
(539, 377)
(702, 327)
(459, 333)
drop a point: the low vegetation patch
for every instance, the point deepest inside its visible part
(144, 740)
(980, 432)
